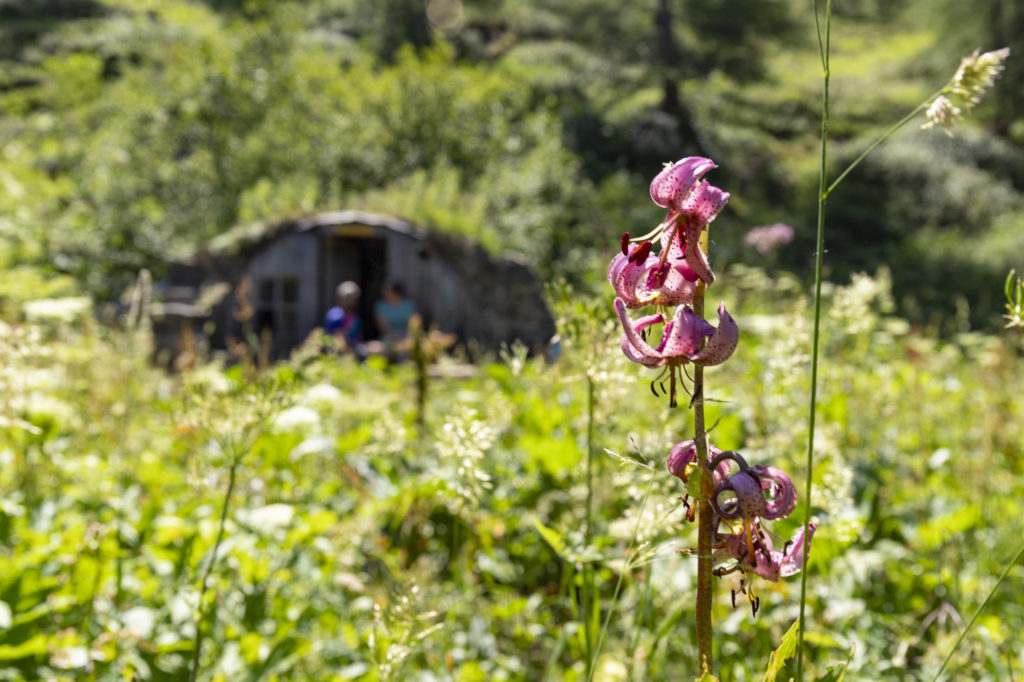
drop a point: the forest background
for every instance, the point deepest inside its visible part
(133, 132)
(366, 546)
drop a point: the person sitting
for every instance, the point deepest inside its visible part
(342, 321)
(392, 314)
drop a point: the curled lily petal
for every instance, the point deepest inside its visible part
(684, 454)
(633, 345)
(651, 281)
(624, 276)
(748, 502)
(773, 565)
(673, 185)
(684, 333)
(793, 560)
(666, 284)
(722, 343)
(780, 493)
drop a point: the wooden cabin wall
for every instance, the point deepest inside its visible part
(290, 259)
(438, 292)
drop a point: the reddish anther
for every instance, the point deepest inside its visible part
(640, 253)
(625, 243)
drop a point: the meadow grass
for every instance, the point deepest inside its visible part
(355, 549)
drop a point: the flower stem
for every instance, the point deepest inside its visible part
(704, 521)
(824, 45)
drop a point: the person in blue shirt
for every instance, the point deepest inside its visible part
(393, 313)
(342, 321)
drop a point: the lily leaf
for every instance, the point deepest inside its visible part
(785, 651)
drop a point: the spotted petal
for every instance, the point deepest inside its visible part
(672, 185)
(650, 282)
(722, 343)
(747, 501)
(784, 564)
(684, 334)
(704, 203)
(633, 345)
(695, 256)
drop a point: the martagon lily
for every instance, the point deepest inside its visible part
(670, 277)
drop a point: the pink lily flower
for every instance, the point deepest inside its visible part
(692, 204)
(680, 340)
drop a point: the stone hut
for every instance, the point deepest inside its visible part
(282, 277)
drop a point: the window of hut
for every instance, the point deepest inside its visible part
(278, 306)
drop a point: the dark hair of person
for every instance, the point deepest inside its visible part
(395, 286)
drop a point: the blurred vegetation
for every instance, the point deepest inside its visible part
(360, 546)
(134, 130)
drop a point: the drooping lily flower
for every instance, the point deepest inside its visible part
(641, 278)
(681, 338)
(747, 497)
(763, 560)
(692, 203)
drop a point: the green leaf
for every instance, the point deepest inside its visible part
(552, 537)
(1009, 285)
(785, 651)
(706, 677)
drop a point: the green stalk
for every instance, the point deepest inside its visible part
(824, 47)
(197, 648)
(977, 612)
(824, 190)
(881, 138)
(587, 530)
(705, 528)
(588, 570)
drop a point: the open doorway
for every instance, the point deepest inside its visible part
(359, 259)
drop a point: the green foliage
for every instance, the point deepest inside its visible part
(133, 132)
(356, 548)
(785, 651)
(199, 133)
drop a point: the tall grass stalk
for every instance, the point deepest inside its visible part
(824, 45)
(591, 604)
(977, 612)
(824, 190)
